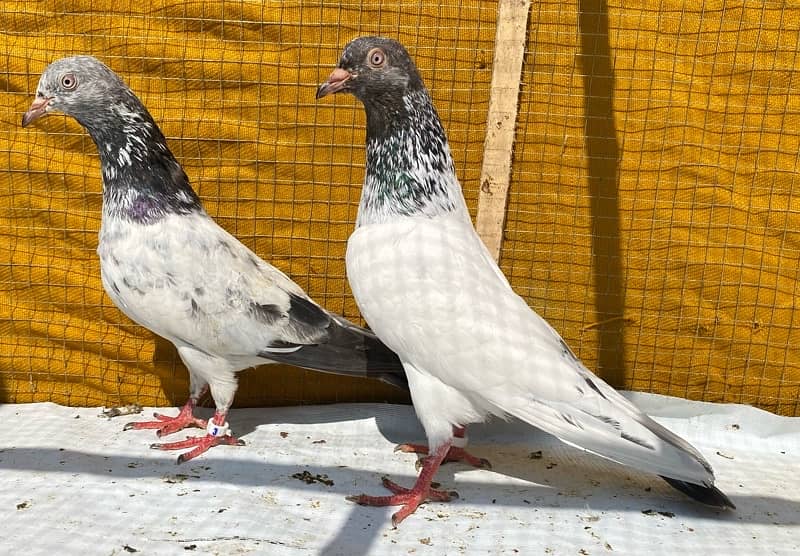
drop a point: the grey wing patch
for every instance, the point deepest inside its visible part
(609, 421)
(638, 441)
(305, 323)
(254, 260)
(304, 317)
(594, 387)
(225, 244)
(306, 314)
(565, 349)
(571, 420)
(340, 347)
(267, 313)
(131, 286)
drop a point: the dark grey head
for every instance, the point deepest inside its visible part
(76, 86)
(142, 180)
(374, 69)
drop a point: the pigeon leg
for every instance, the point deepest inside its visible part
(411, 498)
(458, 451)
(217, 434)
(167, 425)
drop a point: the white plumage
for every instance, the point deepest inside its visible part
(428, 287)
(472, 347)
(191, 282)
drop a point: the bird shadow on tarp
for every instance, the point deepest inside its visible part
(515, 449)
(567, 486)
(545, 474)
(243, 425)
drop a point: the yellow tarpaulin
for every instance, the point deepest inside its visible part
(651, 214)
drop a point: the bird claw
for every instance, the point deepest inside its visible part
(164, 424)
(158, 423)
(433, 494)
(454, 454)
(199, 445)
(409, 498)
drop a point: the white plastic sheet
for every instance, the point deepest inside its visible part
(74, 482)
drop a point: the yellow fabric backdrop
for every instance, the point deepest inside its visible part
(651, 216)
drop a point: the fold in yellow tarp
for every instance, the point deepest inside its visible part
(651, 217)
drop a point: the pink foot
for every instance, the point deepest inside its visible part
(167, 425)
(410, 499)
(453, 455)
(200, 445)
(217, 434)
(457, 451)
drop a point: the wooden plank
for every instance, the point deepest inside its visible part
(509, 48)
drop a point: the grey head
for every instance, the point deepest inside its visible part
(70, 84)
(142, 181)
(375, 70)
(78, 86)
(89, 91)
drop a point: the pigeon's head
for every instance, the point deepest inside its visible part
(373, 69)
(75, 86)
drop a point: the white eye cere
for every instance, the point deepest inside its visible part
(68, 81)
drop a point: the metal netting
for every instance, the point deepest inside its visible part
(651, 216)
(232, 85)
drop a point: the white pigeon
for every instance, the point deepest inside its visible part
(168, 266)
(429, 289)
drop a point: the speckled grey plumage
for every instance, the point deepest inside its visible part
(168, 266)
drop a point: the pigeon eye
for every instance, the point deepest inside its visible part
(376, 58)
(68, 81)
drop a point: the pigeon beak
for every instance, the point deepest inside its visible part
(37, 110)
(335, 83)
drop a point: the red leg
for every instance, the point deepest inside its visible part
(167, 425)
(457, 451)
(217, 434)
(411, 498)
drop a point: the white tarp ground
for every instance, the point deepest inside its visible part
(75, 483)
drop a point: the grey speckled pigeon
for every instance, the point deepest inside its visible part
(429, 289)
(168, 266)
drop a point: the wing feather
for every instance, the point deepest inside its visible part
(464, 326)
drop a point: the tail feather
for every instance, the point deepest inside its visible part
(708, 495)
(347, 349)
(658, 452)
(617, 437)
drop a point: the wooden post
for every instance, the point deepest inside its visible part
(509, 48)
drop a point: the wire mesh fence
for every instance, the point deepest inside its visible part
(651, 217)
(232, 85)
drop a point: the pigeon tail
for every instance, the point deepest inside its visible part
(648, 447)
(348, 350)
(708, 495)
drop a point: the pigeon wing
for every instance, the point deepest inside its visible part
(463, 326)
